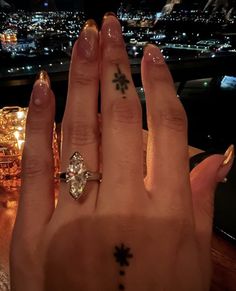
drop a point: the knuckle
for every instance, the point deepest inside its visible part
(36, 126)
(81, 133)
(114, 60)
(34, 165)
(83, 78)
(173, 118)
(127, 111)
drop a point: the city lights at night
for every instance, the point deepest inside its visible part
(34, 37)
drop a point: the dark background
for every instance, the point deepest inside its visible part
(96, 9)
(75, 4)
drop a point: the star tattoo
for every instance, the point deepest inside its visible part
(121, 81)
(122, 255)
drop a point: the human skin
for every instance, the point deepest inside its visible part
(127, 232)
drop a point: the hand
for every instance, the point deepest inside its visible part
(126, 233)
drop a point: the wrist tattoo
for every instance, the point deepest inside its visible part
(121, 81)
(122, 255)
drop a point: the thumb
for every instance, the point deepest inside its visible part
(204, 179)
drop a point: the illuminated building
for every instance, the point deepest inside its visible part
(8, 36)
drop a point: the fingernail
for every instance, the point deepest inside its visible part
(44, 78)
(40, 94)
(226, 165)
(107, 14)
(87, 44)
(90, 23)
(229, 156)
(153, 54)
(111, 29)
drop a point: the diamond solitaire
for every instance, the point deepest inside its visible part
(78, 176)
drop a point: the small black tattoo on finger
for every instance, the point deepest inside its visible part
(121, 81)
(121, 287)
(122, 273)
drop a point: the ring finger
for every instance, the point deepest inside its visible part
(80, 124)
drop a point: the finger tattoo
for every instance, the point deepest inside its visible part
(121, 81)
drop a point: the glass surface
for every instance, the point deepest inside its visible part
(4, 280)
(12, 136)
(12, 139)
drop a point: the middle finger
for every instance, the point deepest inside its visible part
(121, 118)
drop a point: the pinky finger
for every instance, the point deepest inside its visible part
(36, 198)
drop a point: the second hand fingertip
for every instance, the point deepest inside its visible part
(226, 165)
(229, 155)
(153, 55)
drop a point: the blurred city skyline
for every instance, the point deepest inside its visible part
(96, 9)
(80, 4)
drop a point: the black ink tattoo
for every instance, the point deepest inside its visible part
(122, 273)
(122, 255)
(121, 81)
(121, 287)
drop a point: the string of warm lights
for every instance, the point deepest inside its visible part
(12, 140)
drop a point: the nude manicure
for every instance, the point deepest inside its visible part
(40, 94)
(154, 55)
(111, 29)
(44, 78)
(88, 41)
(229, 155)
(108, 14)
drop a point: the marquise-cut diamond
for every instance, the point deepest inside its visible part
(77, 175)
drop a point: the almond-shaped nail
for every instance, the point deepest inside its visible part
(87, 44)
(229, 155)
(226, 165)
(153, 54)
(41, 89)
(44, 78)
(107, 14)
(90, 23)
(111, 29)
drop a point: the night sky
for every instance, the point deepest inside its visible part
(95, 8)
(76, 4)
